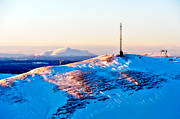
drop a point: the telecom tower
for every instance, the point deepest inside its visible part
(120, 52)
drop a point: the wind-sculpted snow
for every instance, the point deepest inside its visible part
(92, 87)
(62, 91)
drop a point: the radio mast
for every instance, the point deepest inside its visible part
(120, 51)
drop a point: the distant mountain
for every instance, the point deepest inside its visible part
(66, 52)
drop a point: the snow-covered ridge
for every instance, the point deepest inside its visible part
(66, 52)
(59, 91)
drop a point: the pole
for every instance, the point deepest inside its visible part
(120, 37)
(121, 52)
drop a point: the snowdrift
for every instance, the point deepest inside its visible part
(104, 87)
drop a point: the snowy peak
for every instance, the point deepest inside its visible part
(66, 52)
(105, 64)
(64, 91)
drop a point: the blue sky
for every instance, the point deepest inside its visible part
(90, 24)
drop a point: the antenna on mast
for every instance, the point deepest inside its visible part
(120, 50)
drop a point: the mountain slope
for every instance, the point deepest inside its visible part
(102, 87)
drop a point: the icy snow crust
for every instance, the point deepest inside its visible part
(104, 87)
